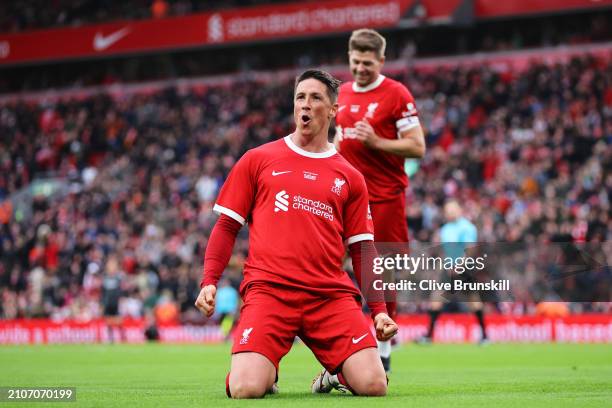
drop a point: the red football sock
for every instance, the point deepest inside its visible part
(343, 382)
(227, 390)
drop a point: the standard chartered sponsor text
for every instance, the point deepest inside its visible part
(315, 207)
(316, 19)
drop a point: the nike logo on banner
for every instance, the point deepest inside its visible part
(102, 42)
(355, 341)
(278, 173)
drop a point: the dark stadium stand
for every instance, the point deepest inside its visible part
(483, 36)
(24, 15)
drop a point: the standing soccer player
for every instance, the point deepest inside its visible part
(303, 202)
(377, 129)
(111, 296)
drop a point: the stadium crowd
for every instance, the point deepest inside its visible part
(528, 154)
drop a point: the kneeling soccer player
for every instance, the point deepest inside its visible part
(303, 202)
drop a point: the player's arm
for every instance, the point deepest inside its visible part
(360, 240)
(411, 142)
(362, 255)
(216, 258)
(234, 206)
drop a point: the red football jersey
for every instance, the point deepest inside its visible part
(302, 208)
(389, 107)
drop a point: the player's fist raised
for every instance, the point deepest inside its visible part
(206, 300)
(385, 327)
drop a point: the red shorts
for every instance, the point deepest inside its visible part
(272, 316)
(389, 219)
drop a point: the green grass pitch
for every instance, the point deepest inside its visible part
(155, 375)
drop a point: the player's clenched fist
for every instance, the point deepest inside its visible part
(385, 327)
(206, 300)
(364, 132)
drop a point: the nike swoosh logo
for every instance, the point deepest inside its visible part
(341, 107)
(102, 42)
(357, 340)
(278, 173)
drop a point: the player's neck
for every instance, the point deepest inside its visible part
(311, 143)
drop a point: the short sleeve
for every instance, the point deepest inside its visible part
(237, 194)
(405, 112)
(357, 218)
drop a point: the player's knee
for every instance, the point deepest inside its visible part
(373, 386)
(377, 387)
(247, 388)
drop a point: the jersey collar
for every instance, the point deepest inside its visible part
(302, 152)
(373, 85)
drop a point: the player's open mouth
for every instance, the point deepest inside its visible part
(305, 119)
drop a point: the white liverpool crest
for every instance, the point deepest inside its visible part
(337, 187)
(245, 335)
(371, 108)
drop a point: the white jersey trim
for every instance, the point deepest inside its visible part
(407, 123)
(230, 213)
(373, 85)
(312, 155)
(359, 238)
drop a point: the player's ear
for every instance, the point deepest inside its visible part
(333, 111)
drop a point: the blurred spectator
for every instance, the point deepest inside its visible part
(552, 309)
(159, 9)
(166, 310)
